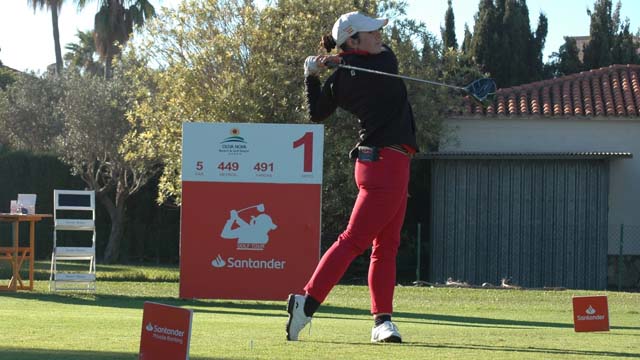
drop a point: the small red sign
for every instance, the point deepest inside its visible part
(590, 313)
(166, 332)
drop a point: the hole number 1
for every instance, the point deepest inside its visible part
(306, 141)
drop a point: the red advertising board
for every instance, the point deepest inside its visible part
(251, 199)
(166, 332)
(590, 313)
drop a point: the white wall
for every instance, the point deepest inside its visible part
(568, 135)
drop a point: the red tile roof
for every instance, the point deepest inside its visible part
(608, 91)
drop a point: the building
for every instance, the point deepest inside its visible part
(541, 186)
(583, 41)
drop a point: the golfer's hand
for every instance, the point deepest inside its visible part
(326, 59)
(313, 64)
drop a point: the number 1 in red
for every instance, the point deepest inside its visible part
(307, 142)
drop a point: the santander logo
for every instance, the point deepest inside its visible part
(248, 263)
(218, 262)
(165, 333)
(591, 314)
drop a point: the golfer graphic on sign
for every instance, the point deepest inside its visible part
(252, 235)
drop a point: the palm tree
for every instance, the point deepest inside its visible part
(54, 6)
(114, 23)
(80, 55)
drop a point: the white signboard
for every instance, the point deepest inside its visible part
(257, 153)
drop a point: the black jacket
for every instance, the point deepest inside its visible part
(379, 102)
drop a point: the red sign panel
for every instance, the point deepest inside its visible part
(248, 241)
(166, 332)
(251, 201)
(590, 313)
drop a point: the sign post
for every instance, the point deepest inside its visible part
(251, 204)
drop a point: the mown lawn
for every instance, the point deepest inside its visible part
(436, 323)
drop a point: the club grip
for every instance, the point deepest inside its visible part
(332, 65)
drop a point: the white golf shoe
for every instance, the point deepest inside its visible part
(297, 318)
(386, 332)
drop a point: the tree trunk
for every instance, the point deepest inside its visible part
(117, 216)
(107, 67)
(112, 251)
(56, 38)
(108, 64)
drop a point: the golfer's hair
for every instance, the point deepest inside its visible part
(328, 43)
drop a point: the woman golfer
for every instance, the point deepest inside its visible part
(382, 156)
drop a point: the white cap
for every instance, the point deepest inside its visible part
(354, 22)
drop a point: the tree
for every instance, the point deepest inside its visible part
(466, 42)
(54, 6)
(81, 118)
(114, 24)
(449, 31)
(503, 44)
(602, 31)
(7, 77)
(513, 66)
(611, 41)
(537, 41)
(566, 61)
(485, 45)
(29, 118)
(81, 55)
(92, 143)
(625, 49)
(222, 61)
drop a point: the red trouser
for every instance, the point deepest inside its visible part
(376, 219)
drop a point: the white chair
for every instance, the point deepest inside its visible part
(73, 211)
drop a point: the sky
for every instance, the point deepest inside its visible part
(26, 39)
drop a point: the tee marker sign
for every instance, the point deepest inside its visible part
(590, 313)
(166, 332)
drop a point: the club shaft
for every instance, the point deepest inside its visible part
(344, 66)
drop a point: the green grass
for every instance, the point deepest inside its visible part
(438, 323)
(145, 272)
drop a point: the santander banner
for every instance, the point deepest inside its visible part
(251, 202)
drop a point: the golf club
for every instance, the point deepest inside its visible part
(259, 207)
(481, 90)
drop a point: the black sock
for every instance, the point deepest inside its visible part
(379, 320)
(311, 305)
